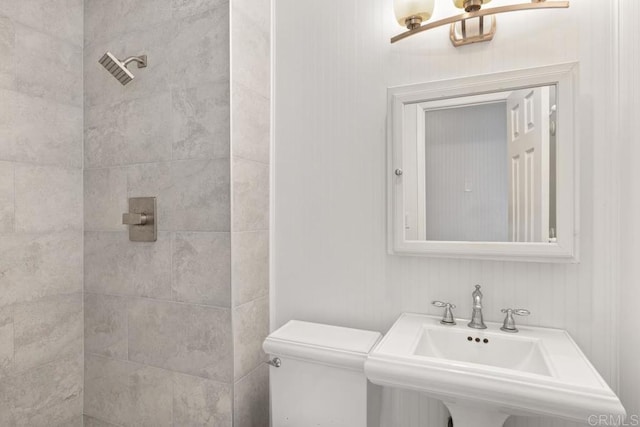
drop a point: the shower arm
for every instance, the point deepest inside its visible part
(140, 60)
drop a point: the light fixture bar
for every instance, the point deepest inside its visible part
(480, 13)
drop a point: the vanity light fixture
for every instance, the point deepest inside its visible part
(413, 14)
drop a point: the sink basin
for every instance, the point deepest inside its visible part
(458, 344)
(484, 376)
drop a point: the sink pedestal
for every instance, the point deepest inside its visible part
(473, 416)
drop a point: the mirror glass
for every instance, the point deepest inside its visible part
(481, 168)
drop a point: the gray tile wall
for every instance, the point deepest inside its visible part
(250, 163)
(41, 322)
(158, 327)
(173, 329)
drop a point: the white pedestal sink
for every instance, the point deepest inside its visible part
(484, 376)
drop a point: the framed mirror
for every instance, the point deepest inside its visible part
(485, 167)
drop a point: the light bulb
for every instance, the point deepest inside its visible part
(415, 11)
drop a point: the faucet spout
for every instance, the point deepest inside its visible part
(477, 322)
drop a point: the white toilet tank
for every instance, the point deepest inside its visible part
(320, 380)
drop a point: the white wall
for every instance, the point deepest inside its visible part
(630, 206)
(333, 63)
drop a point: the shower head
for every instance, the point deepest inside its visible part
(119, 69)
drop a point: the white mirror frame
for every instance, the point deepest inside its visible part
(565, 249)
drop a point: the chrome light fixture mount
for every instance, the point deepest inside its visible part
(466, 28)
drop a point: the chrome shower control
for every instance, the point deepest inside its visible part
(135, 219)
(509, 324)
(141, 219)
(447, 317)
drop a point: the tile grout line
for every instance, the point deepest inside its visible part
(40, 365)
(129, 297)
(147, 365)
(82, 193)
(252, 300)
(170, 232)
(253, 161)
(101, 419)
(40, 31)
(168, 162)
(254, 369)
(230, 15)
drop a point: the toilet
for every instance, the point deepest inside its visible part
(317, 375)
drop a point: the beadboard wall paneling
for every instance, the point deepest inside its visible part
(630, 205)
(466, 173)
(331, 76)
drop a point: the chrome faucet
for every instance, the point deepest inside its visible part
(509, 324)
(447, 317)
(476, 317)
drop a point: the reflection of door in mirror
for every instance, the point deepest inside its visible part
(528, 163)
(481, 168)
(485, 169)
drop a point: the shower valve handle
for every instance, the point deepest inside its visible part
(136, 219)
(142, 219)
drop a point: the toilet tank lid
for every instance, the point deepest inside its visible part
(318, 342)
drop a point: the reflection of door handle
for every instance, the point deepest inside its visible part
(136, 219)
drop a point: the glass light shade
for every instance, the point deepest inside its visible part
(460, 3)
(407, 8)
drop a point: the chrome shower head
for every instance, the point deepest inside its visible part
(119, 69)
